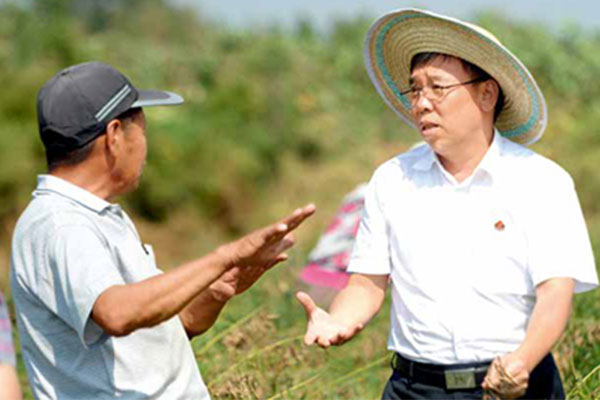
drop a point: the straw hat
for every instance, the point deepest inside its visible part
(395, 38)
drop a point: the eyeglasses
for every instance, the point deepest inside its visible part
(435, 92)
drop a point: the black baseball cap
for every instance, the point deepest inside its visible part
(75, 105)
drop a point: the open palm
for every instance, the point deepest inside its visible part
(322, 328)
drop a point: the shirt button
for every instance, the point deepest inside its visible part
(115, 209)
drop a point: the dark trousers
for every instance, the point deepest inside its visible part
(544, 383)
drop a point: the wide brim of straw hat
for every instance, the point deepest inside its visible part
(396, 37)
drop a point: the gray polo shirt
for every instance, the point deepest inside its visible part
(68, 247)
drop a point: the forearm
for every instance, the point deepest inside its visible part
(202, 312)
(121, 309)
(358, 303)
(548, 320)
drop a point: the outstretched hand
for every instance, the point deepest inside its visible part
(254, 254)
(266, 247)
(322, 328)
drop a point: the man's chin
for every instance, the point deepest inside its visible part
(128, 188)
(133, 187)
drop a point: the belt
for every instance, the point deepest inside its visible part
(456, 376)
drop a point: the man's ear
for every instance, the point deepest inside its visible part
(488, 95)
(114, 136)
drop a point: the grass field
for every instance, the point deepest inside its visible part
(255, 349)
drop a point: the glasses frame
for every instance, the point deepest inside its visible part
(415, 94)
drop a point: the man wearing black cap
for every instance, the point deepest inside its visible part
(97, 318)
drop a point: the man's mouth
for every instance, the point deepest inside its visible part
(427, 127)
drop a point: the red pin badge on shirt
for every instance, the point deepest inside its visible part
(499, 225)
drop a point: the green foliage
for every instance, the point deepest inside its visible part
(272, 119)
(253, 98)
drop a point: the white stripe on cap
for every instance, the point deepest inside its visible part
(113, 102)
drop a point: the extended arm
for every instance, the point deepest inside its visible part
(350, 310)
(548, 321)
(121, 309)
(202, 312)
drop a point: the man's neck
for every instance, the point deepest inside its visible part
(462, 162)
(85, 179)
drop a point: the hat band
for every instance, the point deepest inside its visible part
(113, 102)
(518, 131)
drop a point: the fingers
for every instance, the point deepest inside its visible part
(491, 395)
(323, 342)
(307, 302)
(515, 376)
(322, 330)
(505, 378)
(505, 373)
(283, 244)
(491, 380)
(279, 230)
(278, 259)
(277, 238)
(298, 216)
(310, 338)
(335, 337)
(309, 308)
(274, 232)
(326, 340)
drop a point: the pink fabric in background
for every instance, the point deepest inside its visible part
(328, 261)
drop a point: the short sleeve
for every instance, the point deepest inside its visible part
(558, 240)
(7, 350)
(371, 254)
(81, 268)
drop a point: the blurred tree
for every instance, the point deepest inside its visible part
(254, 99)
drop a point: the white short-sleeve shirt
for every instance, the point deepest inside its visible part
(68, 247)
(465, 258)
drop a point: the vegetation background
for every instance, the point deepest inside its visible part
(273, 119)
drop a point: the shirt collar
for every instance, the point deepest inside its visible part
(489, 163)
(50, 183)
(427, 159)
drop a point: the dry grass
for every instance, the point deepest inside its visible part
(255, 350)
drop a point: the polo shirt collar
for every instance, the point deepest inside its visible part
(54, 184)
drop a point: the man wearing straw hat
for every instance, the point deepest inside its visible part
(483, 240)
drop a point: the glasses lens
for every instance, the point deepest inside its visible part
(414, 95)
(436, 92)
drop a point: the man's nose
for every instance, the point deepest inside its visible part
(422, 104)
